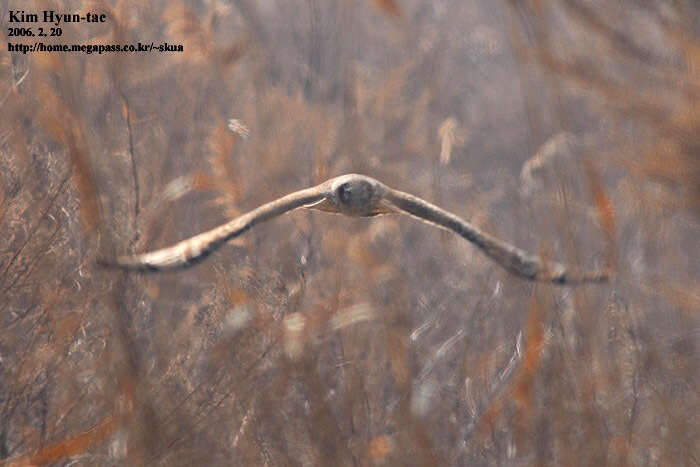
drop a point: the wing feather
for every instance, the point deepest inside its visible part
(194, 249)
(510, 257)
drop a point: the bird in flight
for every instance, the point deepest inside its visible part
(357, 196)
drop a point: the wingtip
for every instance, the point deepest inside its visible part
(597, 277)
(105, 263)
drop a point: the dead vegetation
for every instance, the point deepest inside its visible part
(352, 342)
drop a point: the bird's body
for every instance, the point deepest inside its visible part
(357, 196)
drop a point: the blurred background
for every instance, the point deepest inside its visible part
(567, 127)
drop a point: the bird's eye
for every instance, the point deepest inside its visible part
(344, 192)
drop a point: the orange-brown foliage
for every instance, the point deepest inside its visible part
(322, 340)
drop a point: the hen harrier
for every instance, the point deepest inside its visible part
(359, 196)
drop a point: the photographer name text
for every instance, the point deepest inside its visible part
(55, 18)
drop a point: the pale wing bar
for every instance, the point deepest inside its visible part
(510, 257)
(195, 249)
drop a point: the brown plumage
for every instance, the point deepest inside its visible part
(357, 196)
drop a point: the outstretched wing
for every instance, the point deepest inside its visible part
(195, 249)
(510, 257)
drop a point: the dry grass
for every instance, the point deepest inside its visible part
(320, 340)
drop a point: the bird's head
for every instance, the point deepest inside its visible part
(354, 195)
